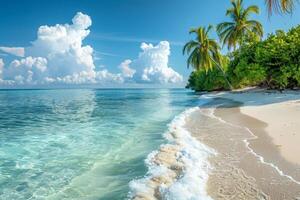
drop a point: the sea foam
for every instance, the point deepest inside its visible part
(179, 170)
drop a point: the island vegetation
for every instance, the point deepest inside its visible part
(273, 63)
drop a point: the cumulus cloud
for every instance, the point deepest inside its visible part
(28, 70)
(104, 76)
(127, 72)
(151, 66)
(58, 56)
(62, 46)
(16, 51)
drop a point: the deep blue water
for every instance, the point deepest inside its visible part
(81, 144)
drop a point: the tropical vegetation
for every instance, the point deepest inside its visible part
(273, 63)
(203, 81)
(204, 52)
(240, 28)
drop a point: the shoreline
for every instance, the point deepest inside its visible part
(247, 154)
(280, 112)
(233, 151)
(171, 169)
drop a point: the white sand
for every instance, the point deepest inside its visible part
(281, 111)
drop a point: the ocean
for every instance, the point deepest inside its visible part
(82, 143)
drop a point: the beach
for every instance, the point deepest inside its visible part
(281, 112)
(225, 145)
(234, 145)
(150, 100)
(255, 134)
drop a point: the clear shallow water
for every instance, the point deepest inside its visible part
(81, 144)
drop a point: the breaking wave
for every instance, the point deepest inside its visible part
(179, 170)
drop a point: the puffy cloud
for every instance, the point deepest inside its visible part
(151, 66)
(62, 46)
(58, 56)
(104, 76)
(82, 21)
(127, 72)
(28, 70)
(1, 73)
(16, 51)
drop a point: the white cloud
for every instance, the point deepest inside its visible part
(151, 66)
(82, 21)
(127, 72)
(104, 76)
(58, 56)
(1, 67)
(28, 70)
(16, 51)
(62, 46)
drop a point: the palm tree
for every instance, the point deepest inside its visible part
(204, 52)
(280, 6)
(233, 33)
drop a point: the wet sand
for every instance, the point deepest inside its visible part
(248, 165)
(281, 112)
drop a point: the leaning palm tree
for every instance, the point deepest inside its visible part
(233, 33)
(280, 6)
(204, 52)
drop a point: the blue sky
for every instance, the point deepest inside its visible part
(120, 26)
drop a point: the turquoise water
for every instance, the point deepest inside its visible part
(81, 144)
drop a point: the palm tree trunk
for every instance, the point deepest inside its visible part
(224, 74)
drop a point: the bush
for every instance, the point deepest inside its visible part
(274, 62)
(243, 71)
(207, 81)
(248, 75)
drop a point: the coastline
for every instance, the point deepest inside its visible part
(249, 165)
(229, 137)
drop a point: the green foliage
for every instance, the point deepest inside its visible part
(240, 27)
(245, 75)
(203, 51)
(274, 63)
(205, 56)
(211, 80)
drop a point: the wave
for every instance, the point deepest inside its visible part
(179, 170)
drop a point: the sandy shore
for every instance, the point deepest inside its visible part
(239, 145)
(256, 135)
(281, 113)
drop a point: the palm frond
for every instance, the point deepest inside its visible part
(232, 33)
(280, 6)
